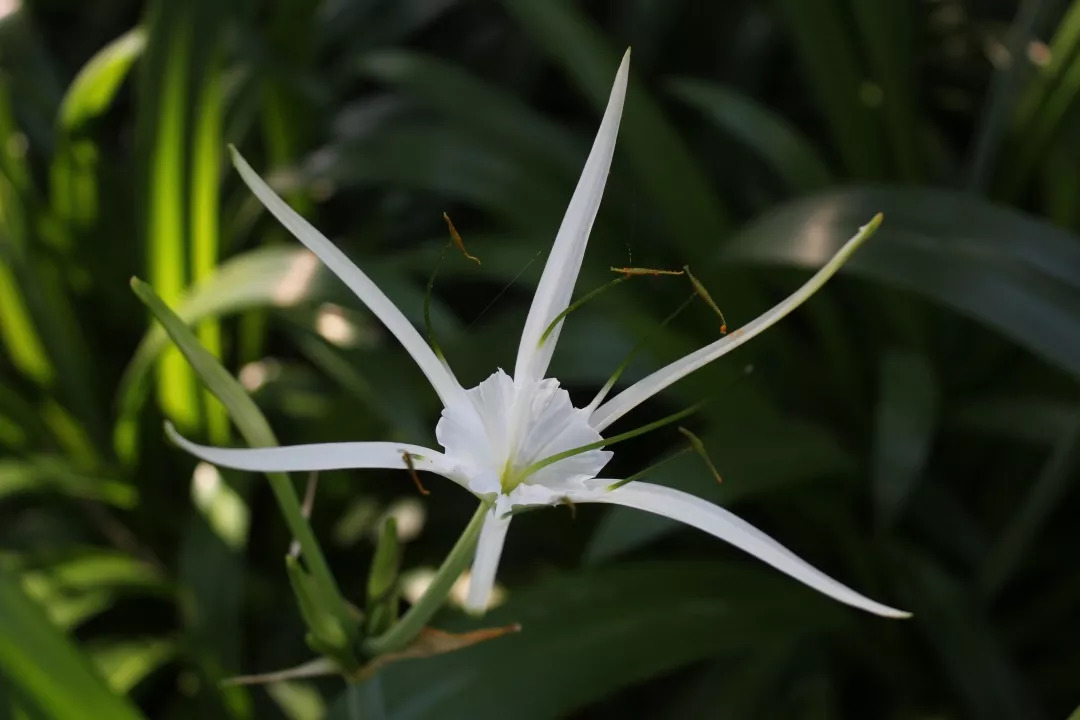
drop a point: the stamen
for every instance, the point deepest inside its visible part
(699, 448)
(427, 307)
(570, 504)
(704, 295)
(408, 458)
(579, 302)
(458, 242)
(630, 357)
(455, 241)
(625, 274)
(646, 471)
(652, 272)
(505, 287)
(604, 442)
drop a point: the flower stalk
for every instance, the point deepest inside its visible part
(416, 618)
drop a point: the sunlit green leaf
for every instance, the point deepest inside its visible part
(125, 663)
(254, 427)
(47, 668)
(93, 89)
(48, 474)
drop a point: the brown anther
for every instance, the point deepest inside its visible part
(408, 458)
(455, 238)
(570, 504)
(653, 272)
(704, 295)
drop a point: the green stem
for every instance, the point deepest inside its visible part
(401, 634)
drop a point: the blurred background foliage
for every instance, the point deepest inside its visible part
(914, 429)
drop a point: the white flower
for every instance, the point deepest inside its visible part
(497, 435)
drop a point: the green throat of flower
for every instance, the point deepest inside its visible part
(512, 476)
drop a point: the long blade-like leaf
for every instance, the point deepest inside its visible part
(47, 669)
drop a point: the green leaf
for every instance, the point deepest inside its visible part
(1028, 419)
(255, 429)
(46, 668)
(1049, 99)
(279, 276)
(37, 322)
(93, 89)
(498, 117)
(967, 646)
(786, 151)
(904, 428)
(633, 621)
(1053, 483)
(125, 663)
(1008, 84)
(445, 161)
(51, 474)
(826, 53)
(757, 452)
(1009, 271)
(382, 584)
(888, 31)
(163, 114)
(664, 166)
(17, 331)
(207, 148)
(80, 583)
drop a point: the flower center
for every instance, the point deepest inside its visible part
(498, 437)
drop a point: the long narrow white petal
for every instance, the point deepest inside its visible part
(488, 551)
(319, 456)
(440, 377)
(561, 271)
(645, 388)
(723, 524)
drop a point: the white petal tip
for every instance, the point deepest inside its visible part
(893, 613)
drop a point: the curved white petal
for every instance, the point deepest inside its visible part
(319, 456)
(440, 377)
(645, 388)
(716, 521)
(561, 271)
(488, 551)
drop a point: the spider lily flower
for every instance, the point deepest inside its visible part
(518, 441)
